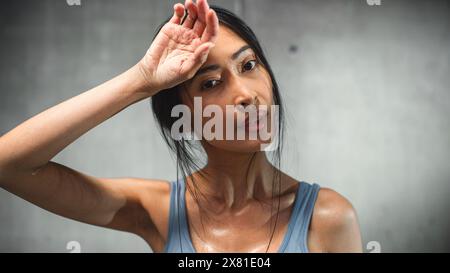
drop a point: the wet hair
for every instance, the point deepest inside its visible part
(187, 152)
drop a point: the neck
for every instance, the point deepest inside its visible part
(233, 179)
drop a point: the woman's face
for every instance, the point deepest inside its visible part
(232, 75)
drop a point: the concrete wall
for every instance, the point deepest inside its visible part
(366, 87)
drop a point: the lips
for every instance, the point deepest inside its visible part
(254, 123)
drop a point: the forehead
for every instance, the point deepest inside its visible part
(227, 35)
(227, 43)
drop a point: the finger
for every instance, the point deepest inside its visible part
(202, 7)
(199, 27)
(192, 14)
(212, 27)
(178, 14)
(198, 59)
(202, 11)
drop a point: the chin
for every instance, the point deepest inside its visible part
(240, 146)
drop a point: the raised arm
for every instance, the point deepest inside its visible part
(26, 169)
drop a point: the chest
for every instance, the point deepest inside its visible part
(255, 229)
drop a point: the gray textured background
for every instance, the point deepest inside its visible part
(366, 87)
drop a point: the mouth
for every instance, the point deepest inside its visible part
(254, 124)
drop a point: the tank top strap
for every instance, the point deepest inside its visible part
(302, 214)
(177, 239)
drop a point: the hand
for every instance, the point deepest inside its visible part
(178, 51)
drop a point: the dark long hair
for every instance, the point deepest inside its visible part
(186, 151)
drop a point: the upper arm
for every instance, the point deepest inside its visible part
(335, 223)
(124, 204)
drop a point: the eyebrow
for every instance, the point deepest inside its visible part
(215, 66)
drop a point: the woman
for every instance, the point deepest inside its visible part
(238, 202)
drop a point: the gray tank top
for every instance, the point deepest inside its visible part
(294, 241)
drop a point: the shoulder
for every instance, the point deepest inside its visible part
(153, 195)
(335, 222)
(333, 209)
(139, 189)
(155, 186)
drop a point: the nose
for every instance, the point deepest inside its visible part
(243, 94)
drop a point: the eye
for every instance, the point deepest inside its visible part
(250, 65)
(209, 84)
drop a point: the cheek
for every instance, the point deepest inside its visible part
(262, 86)
(208, 100)
(213, 99)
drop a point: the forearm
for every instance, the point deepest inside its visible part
(36, 141)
